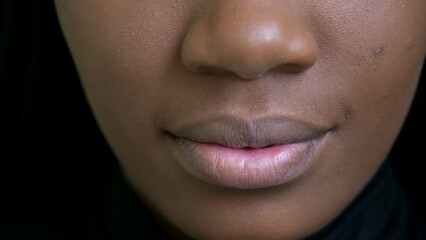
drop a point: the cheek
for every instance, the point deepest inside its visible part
(122, 52)
(372, 68)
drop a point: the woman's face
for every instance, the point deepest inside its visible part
(248, 119)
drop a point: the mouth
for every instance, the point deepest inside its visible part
(239, 154)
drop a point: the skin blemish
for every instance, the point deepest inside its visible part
(378, 51)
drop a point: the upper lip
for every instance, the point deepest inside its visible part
(254, 133)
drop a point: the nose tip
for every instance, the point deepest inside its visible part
(248, 42)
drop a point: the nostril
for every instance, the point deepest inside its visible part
(212, 70)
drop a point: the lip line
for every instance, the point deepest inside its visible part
(314, 140)
(243, 147)
(231, 132)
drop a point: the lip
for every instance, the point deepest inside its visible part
(240, 154)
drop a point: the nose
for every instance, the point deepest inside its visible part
(249, 39)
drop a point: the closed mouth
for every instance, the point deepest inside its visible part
(254, 154)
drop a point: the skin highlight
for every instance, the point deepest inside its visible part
(151, 66)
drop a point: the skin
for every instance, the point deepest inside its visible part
(148, 65)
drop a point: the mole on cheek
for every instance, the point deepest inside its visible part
(378, 51)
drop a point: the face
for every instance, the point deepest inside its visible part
(247, 119)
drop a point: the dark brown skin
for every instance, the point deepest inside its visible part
(149, 65)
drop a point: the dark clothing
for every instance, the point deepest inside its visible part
(380, 212)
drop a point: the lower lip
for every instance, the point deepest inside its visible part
(247, 168)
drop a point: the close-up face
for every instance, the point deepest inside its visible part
(247, 119)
